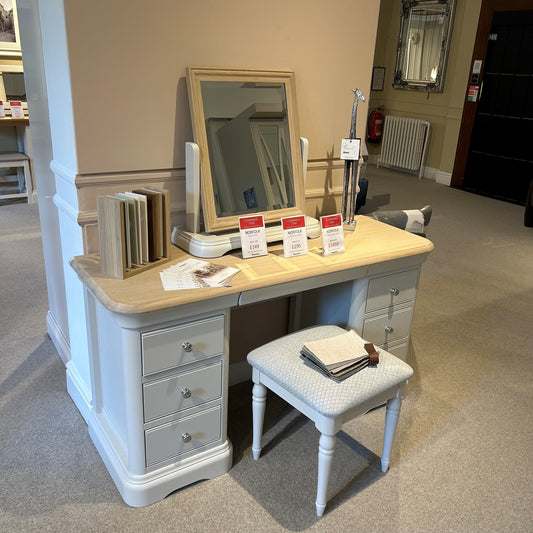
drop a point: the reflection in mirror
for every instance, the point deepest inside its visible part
(247, 133)
(245, 126)
(423, 44)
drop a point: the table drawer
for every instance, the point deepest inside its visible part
(188, 389)
(390, 290)
(388, 328)
(177, 438)
(167, 348)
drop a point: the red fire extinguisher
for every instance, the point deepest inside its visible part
(375, 125)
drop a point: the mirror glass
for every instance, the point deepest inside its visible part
(423, 44)
(245, 126)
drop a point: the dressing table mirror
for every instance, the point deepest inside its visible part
(248, 153)
(423, 44)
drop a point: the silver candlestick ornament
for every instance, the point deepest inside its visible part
(351, 171)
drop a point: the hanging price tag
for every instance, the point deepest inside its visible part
(332, 234)
(253, 237)
(294, 236)
(350, 149)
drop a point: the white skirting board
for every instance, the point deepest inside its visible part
(439, 176)
(78, 391)
(444, 178)
(56, 335)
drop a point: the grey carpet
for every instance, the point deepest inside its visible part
(461, 459)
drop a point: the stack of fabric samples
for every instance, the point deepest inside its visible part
(341, 356)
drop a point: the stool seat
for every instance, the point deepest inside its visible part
(280, 360)
(280, 367)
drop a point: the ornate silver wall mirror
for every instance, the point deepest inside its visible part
(423, 44)
(245, 124)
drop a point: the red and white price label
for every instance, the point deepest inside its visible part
(332, 234)
(294, 236)
(17, 110)
(253, 236)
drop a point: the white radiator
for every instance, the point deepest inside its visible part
(404, 143)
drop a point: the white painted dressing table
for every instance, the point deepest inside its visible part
(159, 359)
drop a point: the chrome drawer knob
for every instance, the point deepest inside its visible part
(394, 291)
(389, 329)
(187, 346)
(186, 437)
(186, 393)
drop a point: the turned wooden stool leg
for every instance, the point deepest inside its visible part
(391, 420)
(326, 447)
(259, 394)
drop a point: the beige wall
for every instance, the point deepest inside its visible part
(128, 59)
(443, 110)
(119, 116)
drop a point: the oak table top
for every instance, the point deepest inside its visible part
(372, 242)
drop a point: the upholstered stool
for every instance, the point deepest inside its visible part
(279, 367)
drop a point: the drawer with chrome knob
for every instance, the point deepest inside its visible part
(182, 391)
(187, 434)
(168, 348)
(388, 327)
(393, 289)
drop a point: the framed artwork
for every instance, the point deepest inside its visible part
(378, 78)
(9, 29)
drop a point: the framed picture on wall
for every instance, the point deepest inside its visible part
(9, 29)
(378, 78)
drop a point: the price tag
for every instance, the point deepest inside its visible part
(253, 236)
(350, 149)
(294, 236)
(2, 110)
(332, 234)
(16, 109)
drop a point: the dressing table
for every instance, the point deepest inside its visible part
(159, 359)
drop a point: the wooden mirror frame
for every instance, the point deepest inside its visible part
(196, 75)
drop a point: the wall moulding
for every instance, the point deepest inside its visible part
(89, 187)
(116, 178)
(324, 177)
(318, 193)
(412, 109)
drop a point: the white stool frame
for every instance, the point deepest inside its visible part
(328, 426)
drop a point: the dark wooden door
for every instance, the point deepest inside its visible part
(500, 158)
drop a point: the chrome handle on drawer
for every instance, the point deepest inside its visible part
(389, 329)
(395, 291)
(187, 346)
(186, 437)
(185, 392)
